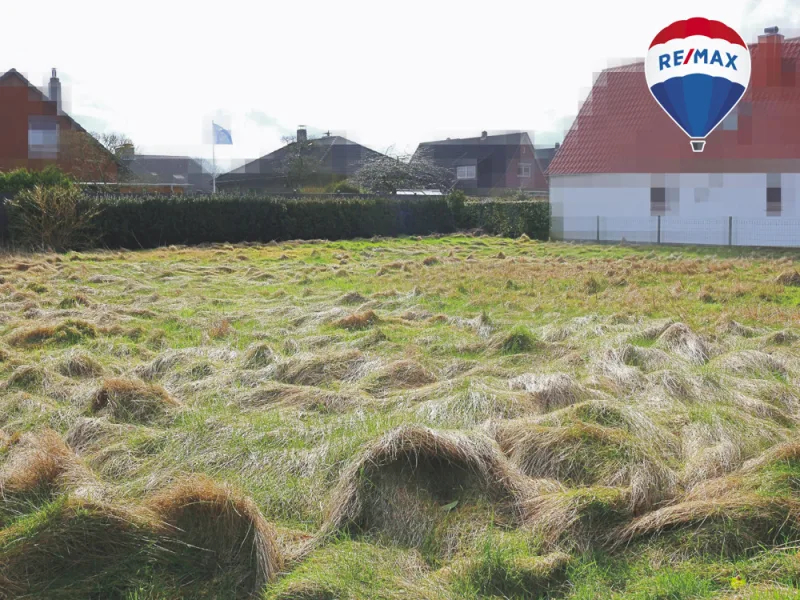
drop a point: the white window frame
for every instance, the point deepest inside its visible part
(521, 168)
(465, 172)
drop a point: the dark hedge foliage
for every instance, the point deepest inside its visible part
(148, 222)
(510, 218)
(13, 182)
(156, 220)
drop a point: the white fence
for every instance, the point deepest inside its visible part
(720, 231)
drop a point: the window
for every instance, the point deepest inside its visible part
(773, 202)
(524, 170)
(731, 122)
(658, 202)
(42, 137)
(465, 172)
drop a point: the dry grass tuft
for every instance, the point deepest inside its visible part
(132, 400)
(781, 338)
(789, 278)
(67, 332)
(744, 331)
(681, 340)
(578, 518)
(317, 369)
(551, 391)
(221, 329)
(400, 479)
(753, 363)
(259, 355)
(351, 298)
(79, 541)
(297, 396)
(75, 301)
(228, 529)
(40, 464)
(356, 321)
(589, 454)
(403, 374)
(430, 260)
(726, 525)
(79, 364)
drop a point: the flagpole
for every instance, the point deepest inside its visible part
(213, 160)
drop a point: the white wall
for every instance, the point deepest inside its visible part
(698, 207)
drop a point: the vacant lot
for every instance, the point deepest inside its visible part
(454, 417)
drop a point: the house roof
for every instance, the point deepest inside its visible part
(14, 74)
(334, 151)
(169, 170)
(498, 149)
(616, 126)
(544, 156)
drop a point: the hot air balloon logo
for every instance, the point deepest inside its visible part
(697, 70)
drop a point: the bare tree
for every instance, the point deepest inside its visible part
(387, 174)
(116, 143)
(89, 159)
(300, 163)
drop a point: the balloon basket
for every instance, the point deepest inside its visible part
(698, 145)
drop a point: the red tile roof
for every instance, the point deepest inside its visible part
(621, 128)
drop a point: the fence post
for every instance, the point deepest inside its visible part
(598, 228)
(658, 239)
(730, 231)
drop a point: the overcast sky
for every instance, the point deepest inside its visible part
(384, 75)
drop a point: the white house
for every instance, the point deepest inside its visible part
(625, 170)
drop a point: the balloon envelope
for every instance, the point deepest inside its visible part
(697, 70)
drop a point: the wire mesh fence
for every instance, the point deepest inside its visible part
(714, 231)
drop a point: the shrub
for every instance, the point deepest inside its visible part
(13, 182)
(51, 217)
(343, 187)
(509, 218)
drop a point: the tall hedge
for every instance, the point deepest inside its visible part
(510, 218)
(155, 220)
(158, 220)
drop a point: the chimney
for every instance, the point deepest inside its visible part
(558, 145)
(302, 135)
(483, 135)
(768, 63)
(54, 92)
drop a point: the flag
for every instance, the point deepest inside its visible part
(221, 135)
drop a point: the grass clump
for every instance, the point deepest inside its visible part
(80, 365)
(518, 340)
(68, 332)
(259, 355)
(219, 529)
(132, 400)
(395, 482)
(355, 321)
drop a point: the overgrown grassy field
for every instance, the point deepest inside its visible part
(443, 417)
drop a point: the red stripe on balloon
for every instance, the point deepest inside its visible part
(688, 56)
(698, 26)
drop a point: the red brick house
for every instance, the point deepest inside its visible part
(489, 163)
(625, 167)
(37, 132)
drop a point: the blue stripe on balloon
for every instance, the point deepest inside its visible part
(697, 102)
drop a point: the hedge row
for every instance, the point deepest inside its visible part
(510, 218)
(147, 222)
